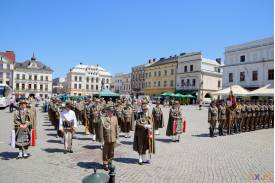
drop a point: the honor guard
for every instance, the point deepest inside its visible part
(238, 117)
(271, 113)
(157, 117)
(128, 118)
(221, 117)
(212, 118)
(110, 135)
(144, 138)
(67, 125)
(244, 117)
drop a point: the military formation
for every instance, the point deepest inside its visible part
(240, 116)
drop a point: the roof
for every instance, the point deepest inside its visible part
(162, 61)
(37, 65)
(83, 68)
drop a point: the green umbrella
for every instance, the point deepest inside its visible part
(188, 96)
(108, 93)
(179, 95)
(168, 94)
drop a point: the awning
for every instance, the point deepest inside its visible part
(264, 91)
(107, 93)
(236, 89)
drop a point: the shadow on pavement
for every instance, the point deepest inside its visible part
(90, 165)
(201, 135)
(126, 160)
(79, 138)
(50, 129)
(52, 134)
(53, 150)
(164, 140)
(91, 146)
(54, 141)
(8, 155)
(126, 142)
(47, 125)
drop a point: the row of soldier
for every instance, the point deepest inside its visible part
(244, 116)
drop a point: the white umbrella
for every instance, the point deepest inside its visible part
(236, 89)
(263, 91)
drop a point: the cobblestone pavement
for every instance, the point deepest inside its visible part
(196, 158)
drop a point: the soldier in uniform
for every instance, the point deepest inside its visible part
(110, 135)
(22, 130)
(67, 125)
(157, 117)
(257, 115)
(262, 111)
(221, 117)
(244, 117)
(175, 123)
(118, 113)
(212, 118)
(271, 113)
(144, 138)
(266, 117)
(85, 118)
(249, 116)
(253, 116)
(128, 118)
(238, 117)
(135, 109)
(97, 113)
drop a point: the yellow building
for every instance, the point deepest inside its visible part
(160, 76)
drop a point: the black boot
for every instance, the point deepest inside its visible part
(211, 132)
(220, 131)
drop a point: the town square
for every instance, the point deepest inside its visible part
(131, 92)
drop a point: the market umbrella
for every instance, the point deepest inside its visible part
(263, 91)
(179, 95)
(188, 96)
(108, 93)
(168, 94)
(236, 89)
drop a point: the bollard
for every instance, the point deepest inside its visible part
(112, 173)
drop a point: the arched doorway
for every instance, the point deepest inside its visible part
(207, 95)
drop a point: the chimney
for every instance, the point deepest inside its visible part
(149, 61)
(219, 60)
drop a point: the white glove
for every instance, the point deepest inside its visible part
(148, 126)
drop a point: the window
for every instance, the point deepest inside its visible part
(149, 74)
(17, 86)
(242, 58)
(1, 74)
(172, 71)
(35, 77)
(46, 87)
(191, 68)
(149, 84)
(155, 73)
(30, 86)
(158, 83)
(188, 82)
(80, 78)
(87, 87)
(165, 83)
(165, 72)
(171, 83)
(75, 86)
(92, 87)
(155, 83)
(146, 75)
(270, 74)
(75, 78)
(96, 87)
(23, 76)
(194, 82)
(23, 86)
(182, 82)
(107, 81)
(159, 73)
(230, 77)
(41, 87)
(8, 75)
(30, 77)
(87, 79)
(92, 80)
(254, 75)
(47, 78)
(219, 84)
(185, 68)
(35, 86)
(96, 80)
(41, 78)
(17, 76)
(242, 76)
(79, 86)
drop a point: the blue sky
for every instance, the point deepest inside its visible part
(119, 34)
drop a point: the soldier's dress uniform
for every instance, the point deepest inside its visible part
(175, 123)
(253, 117)
(266, 116)
(22, 130)
(67, 124)
(271, 114)
(97, 114)
(262, 119)
(238, 118)
(257, 116)
(212, 119)
(110, 135)
(157, 118)
(128, 118)
(244, 117)
(119, 114)
(249, 117)
(221, 118)
(144, 138)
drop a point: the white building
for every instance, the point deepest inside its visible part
(122, 83)
(198, 76)
(32, 78)
(250, 64)
(7, 67)
(59, 85)
(84, 80)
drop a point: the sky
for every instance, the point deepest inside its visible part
(120, 34)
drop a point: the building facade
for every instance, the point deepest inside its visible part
(32, 77)
(250, 65)
(160, 76)
(59, 85)
(122, 83)
(86, 80)
(7, 61)
(198, 76)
